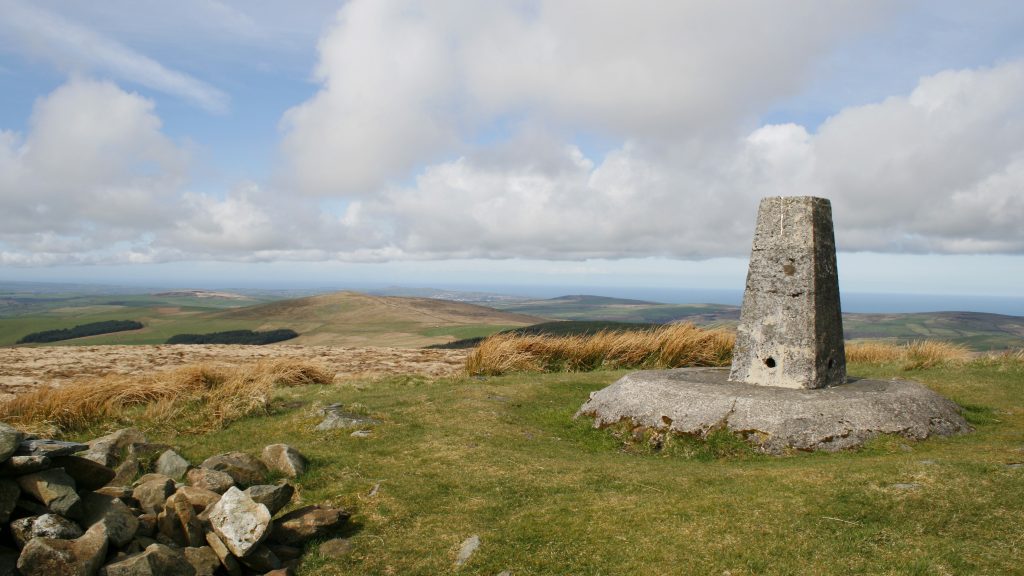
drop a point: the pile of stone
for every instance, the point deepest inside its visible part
(121, 506)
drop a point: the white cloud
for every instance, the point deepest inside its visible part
(76, 48)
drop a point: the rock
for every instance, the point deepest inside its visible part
(906, 486)
(51, 448)
(335, 418)
(227, 559)
(298, 526)
(8, 561)
(362, 434)
(696, 401)
(274, 497)
(120, 522)
(285, 571)
(156, 560)
(147, 527)
(88, 475)
(151, 477)
(170, 463)
(244, 469)
(10, 439)
(285, 552)
(335, 548)
(126, 472)
(200, 498)
(55, 489)
(261, 559)
(178, 522)
(284, 459)
(241, 523)
(21, 465)
(31, 506)
(469, 545)
(152, 494)
(212, 480)
(124, 493)
(147, 453)
(51, 557)
(45, 526)
(9, 494)
(110, 450)
(203, 560)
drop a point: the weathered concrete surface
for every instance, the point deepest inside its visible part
(791, 330)
(696, 401)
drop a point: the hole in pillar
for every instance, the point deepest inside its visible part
(666, 421)
(788, 267)
(831, 363)
(769, 362)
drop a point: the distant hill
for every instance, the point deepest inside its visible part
(202, 294)
(587, 307)
(588, 300)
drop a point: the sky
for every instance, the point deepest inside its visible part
(208, 143)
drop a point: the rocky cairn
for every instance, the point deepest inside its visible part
(121, 506)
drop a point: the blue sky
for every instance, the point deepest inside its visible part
(565, 143)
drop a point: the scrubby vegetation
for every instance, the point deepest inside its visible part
(671, 346)
(80, 331)
(194, 398)
(556, 328)
(235, 337)
(912, 356)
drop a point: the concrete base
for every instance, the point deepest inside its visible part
(697, 401)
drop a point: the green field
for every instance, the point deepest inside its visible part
(502, 458)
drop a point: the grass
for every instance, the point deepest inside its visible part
(668, 346)
(502, 458)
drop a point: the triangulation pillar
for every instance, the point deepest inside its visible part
(791, 328)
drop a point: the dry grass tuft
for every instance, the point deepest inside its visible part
(913, 356)
(197, 398)
(670, 346)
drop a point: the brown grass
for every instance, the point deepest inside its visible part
(194, 398)
(670, 346)
(913, 356)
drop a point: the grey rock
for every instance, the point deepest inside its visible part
(33, 507)
(505, 573)
(244, 469)
(88, 475)
(170, 463)
(178, 522)
(261, 559)
(274, 497)
(147, 453)
(227, 559)
(126, 472)
(110, 450)
(905, 486)
(303, 524)
(147, 527)
(203, 560)
(285, 552)
(8, 561)
(151, 477)
(52, 557)
(10, 439)
(239, 522)
(284, 459)
(696, 401)
(469, 545)
(335, 548)
(21, 465)
(9, 494)
(212, 480)
(362, 434)
(25, 529)
(791, 330)
(51, 448)
(1015, 465)
(55, 489)
(152, 494)
(122, 492)
(156, 560)
(120, 522)
(336, 418)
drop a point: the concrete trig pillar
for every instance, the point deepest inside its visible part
(791, 327)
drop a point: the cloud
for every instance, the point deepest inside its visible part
(77, 48)
(92, 170)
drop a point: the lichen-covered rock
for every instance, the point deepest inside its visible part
(179, 523)
(203, 559)
(21, 465)
(23, 530)
(227, 559)
(126, 472)
(241, 523)
(110, 450)
(244, 469)
(52, 557)
(55, 489)
(47, 447)
(152, 494)
(200, 498)
(299, 526)
(273, 496)
(9, 493)
(120, 522)
(156, 560)
(171, 464)
(88, 475)
(284, 459)
(212, 480)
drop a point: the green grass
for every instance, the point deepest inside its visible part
(502, 458)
